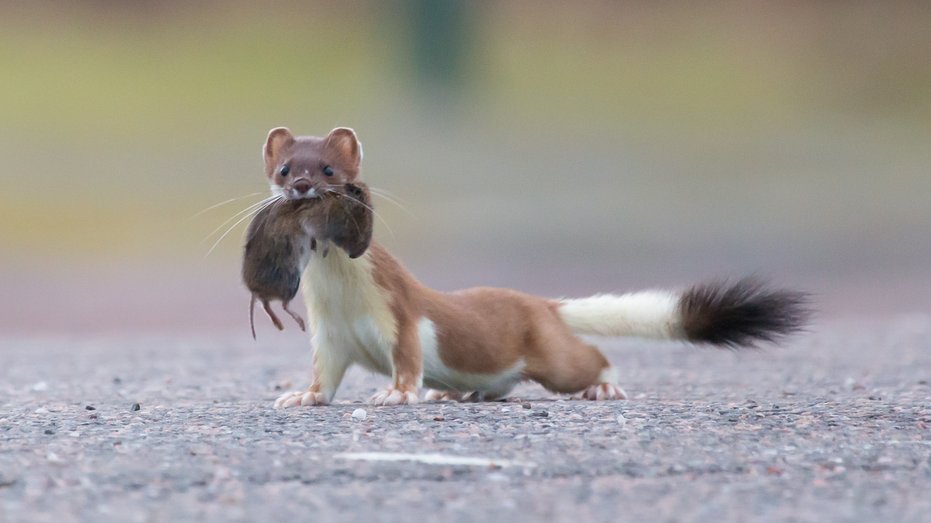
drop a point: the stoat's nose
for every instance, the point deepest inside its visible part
(302, 186)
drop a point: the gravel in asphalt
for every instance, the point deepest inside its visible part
(834, 426)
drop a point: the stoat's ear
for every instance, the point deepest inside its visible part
(344, 140)
(278, 139)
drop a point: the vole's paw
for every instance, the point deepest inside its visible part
(443, 395)
(295, 399)
(393, 397)
(604, 391)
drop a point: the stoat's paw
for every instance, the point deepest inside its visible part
(393, 397)
(604, 391)
(443, 395)
(295, 399)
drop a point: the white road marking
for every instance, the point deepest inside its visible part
(434, 459)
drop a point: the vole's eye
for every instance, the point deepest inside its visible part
(328, 171)
(285, 170)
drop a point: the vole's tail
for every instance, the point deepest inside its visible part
(720, 313)
(252, 314)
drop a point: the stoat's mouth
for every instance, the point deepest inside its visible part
(293, 194)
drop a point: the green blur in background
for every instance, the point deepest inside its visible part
(561, 148)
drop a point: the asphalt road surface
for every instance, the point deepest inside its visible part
(833, 426)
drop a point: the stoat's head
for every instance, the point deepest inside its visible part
(306, 166)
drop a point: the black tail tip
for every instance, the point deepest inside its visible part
(742, 314)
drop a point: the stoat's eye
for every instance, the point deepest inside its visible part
(285, 170)
(328, 171)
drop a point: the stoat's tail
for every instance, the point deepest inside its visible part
(730, 315)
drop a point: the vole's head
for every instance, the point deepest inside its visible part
(306, 166)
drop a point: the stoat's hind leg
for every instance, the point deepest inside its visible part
(563, 363)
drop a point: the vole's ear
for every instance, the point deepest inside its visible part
(344, 140)
(278, 138)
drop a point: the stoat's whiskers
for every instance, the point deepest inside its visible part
(367, 207)
(381, 193)
(390, 198)
(224, 203)
(247, 209)
(269, 204)
(257, 208)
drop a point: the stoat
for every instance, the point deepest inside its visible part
(481, 342)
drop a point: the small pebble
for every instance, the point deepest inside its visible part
(540, 413)
(75, 434)
(525, 404)
(136, 407)
(49, 431)
(41, 410)
(40, 386)
(52, 457)
(359, 414)
(89, 408)
(621, 420)
(439, 418)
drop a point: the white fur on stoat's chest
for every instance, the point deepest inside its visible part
(349, 313)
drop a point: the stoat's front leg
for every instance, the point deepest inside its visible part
(407, 368)
(329, 368)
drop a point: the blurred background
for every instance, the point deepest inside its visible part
(560, 148)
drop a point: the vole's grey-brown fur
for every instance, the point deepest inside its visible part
(282, 237)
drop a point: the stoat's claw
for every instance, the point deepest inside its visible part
(443, 395)
(295, 399)
(604, 391)
(393, 397)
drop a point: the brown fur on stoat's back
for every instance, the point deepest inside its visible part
(370, 311)
(487, 330)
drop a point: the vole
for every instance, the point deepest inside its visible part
(282, 235)
(370, 311)
(311, 212)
